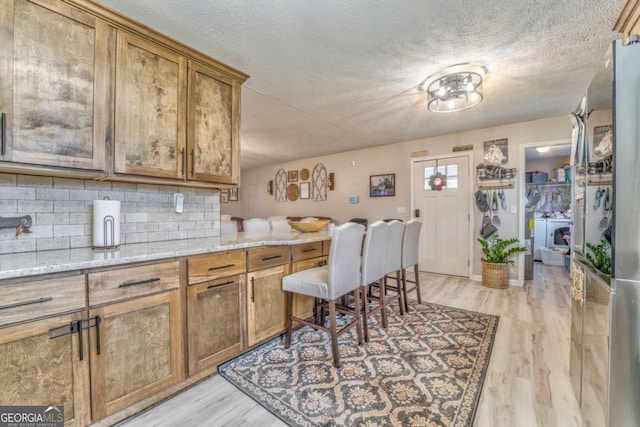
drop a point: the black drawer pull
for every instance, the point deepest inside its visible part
(310, 250)
(253, 289)
(20, 304)
(3, 137)
(271, 257)
(184, 160)
(221, 267)
(230, 282)
(139, 282)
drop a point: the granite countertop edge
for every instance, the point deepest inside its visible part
(27, 264)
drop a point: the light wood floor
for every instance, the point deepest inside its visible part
(527, 383)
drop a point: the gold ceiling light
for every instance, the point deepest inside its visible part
(455, 88)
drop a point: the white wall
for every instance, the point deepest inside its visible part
(254, 201)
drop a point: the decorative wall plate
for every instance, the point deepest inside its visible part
(304, 174)
(293, 192)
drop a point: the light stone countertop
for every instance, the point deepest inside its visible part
(34, 263)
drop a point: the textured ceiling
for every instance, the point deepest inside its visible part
(330, 76)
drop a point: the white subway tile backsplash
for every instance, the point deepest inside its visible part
(62, 212)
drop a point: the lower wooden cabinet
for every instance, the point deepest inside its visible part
(138, 351)
(40, 365)
(265, 303)
(214, 313)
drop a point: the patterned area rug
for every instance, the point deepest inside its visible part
(425, 369)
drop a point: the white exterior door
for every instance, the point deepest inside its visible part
(444, 212)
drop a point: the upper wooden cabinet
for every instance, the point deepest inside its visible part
(54, 85)
(87, 92)
(150, 109)
(213, 125)
(629, 20)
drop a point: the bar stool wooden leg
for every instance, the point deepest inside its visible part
(404, 290)
(288, 324)
(365, 311)
(356, 309)
(417, 273)
(334, 333)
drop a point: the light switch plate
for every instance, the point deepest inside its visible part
(178, 202)
(400, 209)
(514, 209)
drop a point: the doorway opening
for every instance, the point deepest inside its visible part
(547, 209)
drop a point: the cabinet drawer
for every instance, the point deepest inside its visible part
(216, 265)
(306, 251)
(267, 256)
(31, 300)
(115, 285)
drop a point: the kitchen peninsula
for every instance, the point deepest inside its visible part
(112, 332)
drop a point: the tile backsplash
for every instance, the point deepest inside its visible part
(62, 210)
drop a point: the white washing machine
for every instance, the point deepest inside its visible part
(556, 229)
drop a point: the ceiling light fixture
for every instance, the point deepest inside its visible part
(543, 149)
(455, 88)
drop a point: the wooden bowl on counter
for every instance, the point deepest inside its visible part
(309, 226)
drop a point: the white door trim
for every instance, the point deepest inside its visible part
(521, 195)
(469, 155)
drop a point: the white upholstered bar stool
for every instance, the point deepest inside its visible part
(373, 259)
(331, 282)
(410, 246)
(393, 259)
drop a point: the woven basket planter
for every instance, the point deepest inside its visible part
(495, 275)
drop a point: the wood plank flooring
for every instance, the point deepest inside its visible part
(527, 383)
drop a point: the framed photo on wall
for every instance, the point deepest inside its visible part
(382, 185)
(292, 176)
(224, 196)
(305, 190)
(233, 194)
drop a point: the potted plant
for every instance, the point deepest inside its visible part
(601, 258)
(495, 263)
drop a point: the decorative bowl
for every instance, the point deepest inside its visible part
(309, 226)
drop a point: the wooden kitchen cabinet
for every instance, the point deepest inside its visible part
(139, 349)
(628, 22)
(265, 303)
(215, 310)
(54, 88)
(150, 109)
(38, 368)
(140, 343)
(213, 125)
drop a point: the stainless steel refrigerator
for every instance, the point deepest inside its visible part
(605, 328)
(624, 385)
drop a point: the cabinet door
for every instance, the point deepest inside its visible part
(303, 305)
(214, 313)
(150, 109)
(54, 84)
(140, 351)
(213, 125)
(265, 304)
(38, 369)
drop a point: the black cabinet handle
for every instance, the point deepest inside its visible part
(97, 325)
(221, 267)
(193, 161)
(21, 303)
(3, 126)
(221, 284)
(253, 289)
(310, 250)
(271, 257)
(139, 282)
(184, 160)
